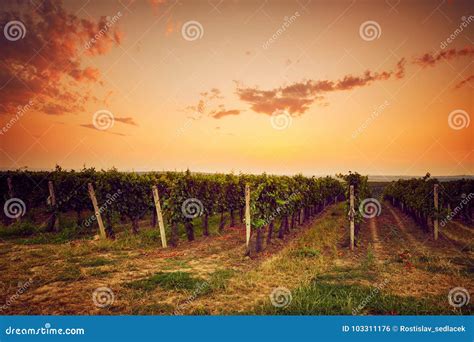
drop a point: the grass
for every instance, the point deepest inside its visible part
(99, 261)
(167, 281)
(305, 252)
(344, 273)
(369, 260)
(69, 274)
(219, 279)
(99, 272)
(18, 229)
(322, 298)
(325, 278)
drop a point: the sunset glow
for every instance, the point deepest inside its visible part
(280, 87)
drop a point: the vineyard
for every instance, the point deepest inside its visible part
(184, 197)
(180, 243)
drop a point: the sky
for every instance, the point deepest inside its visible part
(283, 87)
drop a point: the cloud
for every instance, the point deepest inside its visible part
(298, 97)
(212, 94)
(221, 113)
(46, 63)
(127, 121)
(430, 59)
(464, 81)
(91, 126)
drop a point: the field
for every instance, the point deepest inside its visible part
(395, 268)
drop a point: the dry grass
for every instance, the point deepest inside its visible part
(64, 276)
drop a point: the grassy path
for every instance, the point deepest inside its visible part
(395, 269)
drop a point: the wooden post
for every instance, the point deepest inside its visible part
(96, 210)
(436, 222)
(10, 187)
(52, 196)
(52, 202)
(247, 216)
(11, 193)
(161, 224)
(351, 215)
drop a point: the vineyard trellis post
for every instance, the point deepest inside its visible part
(161, 225)
(247, 216)
(52, 202)
(10, 187)
(11, 193)
(96, 210)
(436, 204)
(352, 215)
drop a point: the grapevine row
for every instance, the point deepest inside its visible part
(184, 196)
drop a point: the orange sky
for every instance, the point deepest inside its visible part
(346, 100)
